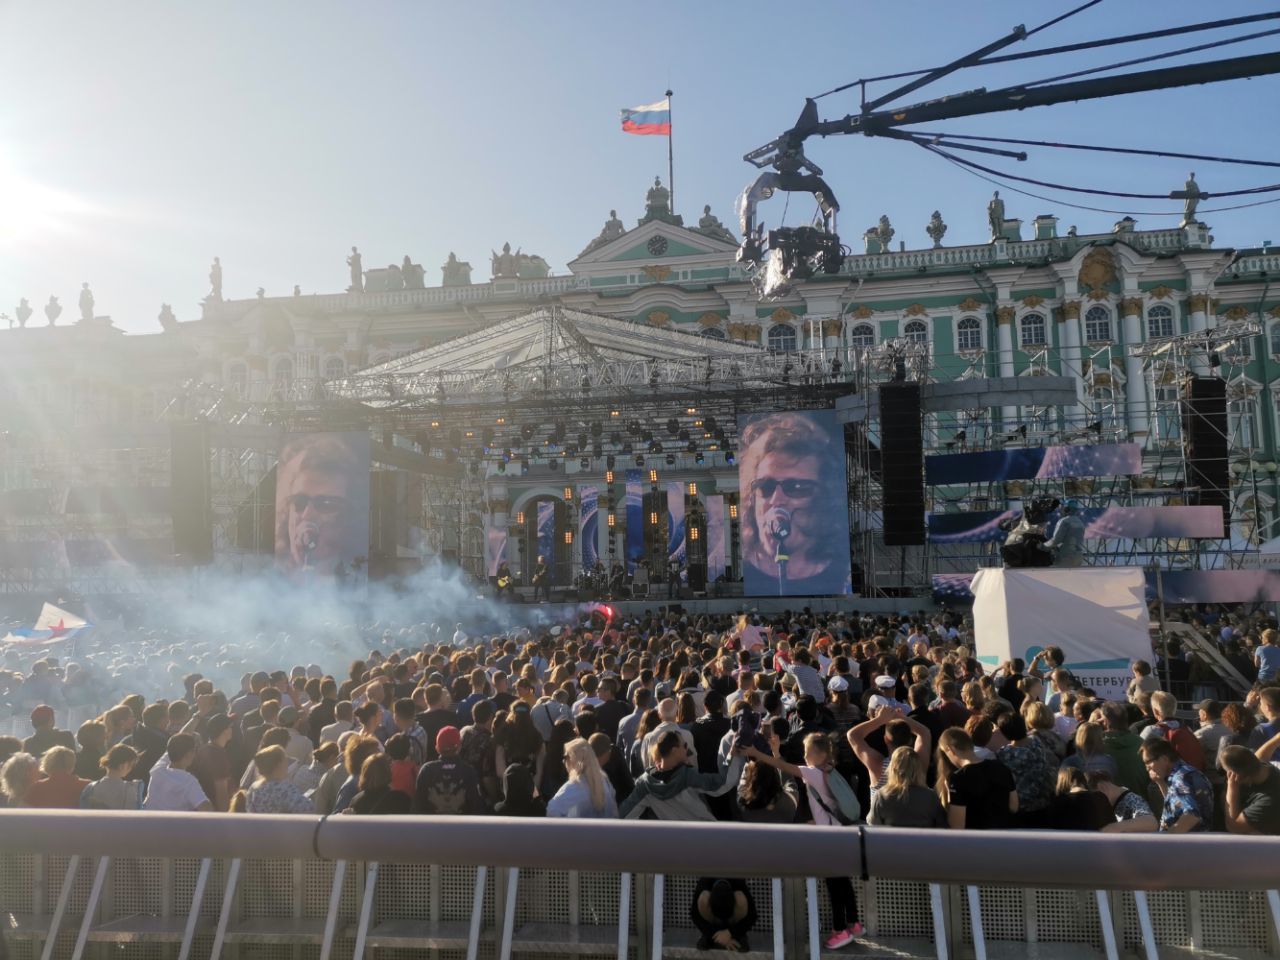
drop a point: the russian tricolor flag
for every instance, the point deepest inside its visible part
(652, 119)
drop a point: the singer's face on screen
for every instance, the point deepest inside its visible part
(319, 507)
(792, 484)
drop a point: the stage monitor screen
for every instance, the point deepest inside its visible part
(794, 512)
(322, 507)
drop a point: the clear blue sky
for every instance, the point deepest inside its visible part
(139, 140)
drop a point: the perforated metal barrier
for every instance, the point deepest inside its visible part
(312, 908)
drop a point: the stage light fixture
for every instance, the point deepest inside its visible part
(470, 434)
(608, 475)
(653, 518)
(683, 434)
(693, 488)
(520, 518)
(639, 461)
(697, 423)
(655, 446)
(615, 437)
(692, 446)
(671, 459)
(653, 476)
(611, 521)
(568, 536)
(693, 533)
(699, 458)
(691, 410)
(435, 424)
(615, 413)
(673, 426)
(585, 463)
(711, 424)
(733, 511)
(729, 458)
(568, 493)
(501, 421)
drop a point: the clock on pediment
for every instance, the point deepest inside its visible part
(657, 245)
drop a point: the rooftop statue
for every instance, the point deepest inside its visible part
(1191, 196)
(23, 312)
(936, 229)
(52, 310)
(86, 303)
(356, 263)
(215, 280)
(657, 205)
(612, 230)
(710, 225)
(504, 264)
(414, 277)
(457, 273)
(995, 216)
(885, 231)
(167, 320)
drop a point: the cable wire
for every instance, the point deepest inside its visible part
(1073, 47)
(1066, 16)
(1268, 188)
(1082, 206)
(1208, 158)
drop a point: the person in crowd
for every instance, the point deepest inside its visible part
(91, 743)
(479, 750)
(587, 792)
(46, 735)
(171, 785)
(358, 748)
(1130, 812)
(1187, 793)
(518, 799)
(447, 786)
(673, 789)
(323, 759)
(1142, 682)
(343, 720)
(724, 912)
(17, 776)
(977, 794)
(1211, 732)
(1090, 755)
(114, 790)
(762, 797)
(438, 715)
(614, 767)
(1266, 657)
(899, 730)
(819, 757)
(59, 787)
(1164, 707)
(271, 791)
(903, 800)
(1123, 745)
(378, 795)
(1076, 805)
(1253, 793)
(212, 764)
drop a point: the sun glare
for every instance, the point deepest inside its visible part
(35, 210)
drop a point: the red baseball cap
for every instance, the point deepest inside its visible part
(448, 739)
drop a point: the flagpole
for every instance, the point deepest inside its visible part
(671, 166)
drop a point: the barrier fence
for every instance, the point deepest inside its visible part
(205, 886)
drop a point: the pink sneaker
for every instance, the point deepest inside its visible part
(839, 938)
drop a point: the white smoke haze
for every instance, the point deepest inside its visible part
(223, 625)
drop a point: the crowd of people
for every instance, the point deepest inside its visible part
(801, 718)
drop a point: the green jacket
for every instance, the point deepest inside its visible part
(1123, 746)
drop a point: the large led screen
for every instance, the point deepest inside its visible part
(794, 515)
(322, 507)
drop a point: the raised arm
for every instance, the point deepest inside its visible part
(776, 762)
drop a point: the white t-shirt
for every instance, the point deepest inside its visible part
(172, 789)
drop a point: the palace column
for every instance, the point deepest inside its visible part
(1198, 322)
(1004, 347)
(1135, 385)
(1071, 365)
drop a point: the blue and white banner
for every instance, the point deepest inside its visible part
(1178, 586)
(634, 503)
(1035, 463)
(589, 525)
(675, 527)
(547, 533)
(717, 542)
(1101, 523)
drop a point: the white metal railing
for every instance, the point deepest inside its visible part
(600, 887)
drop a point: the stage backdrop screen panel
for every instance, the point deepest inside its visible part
(1098, 616)
(322, 507)
(794, 505)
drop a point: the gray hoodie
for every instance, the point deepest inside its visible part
(679, 794)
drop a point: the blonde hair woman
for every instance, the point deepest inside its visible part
(587, 793)
(904, 800)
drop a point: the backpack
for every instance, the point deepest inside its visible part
(848, 810)
(1184, 741)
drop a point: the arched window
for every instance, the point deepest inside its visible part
(713, 333)
(334, 368)
(238, 378)
(782, 338)
(862, 336)
(1031, 331)
(282, 373)
(1159, 322)
(916, 330)
(969, 334)
(1097, 325)
(1274, 336)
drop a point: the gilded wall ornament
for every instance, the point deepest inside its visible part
(1161, 292)
(1032, 301)
(1071, 309)
(1131, 307)
(969, 304)
(658, 318)
(1097, 270)
(1005, 314)
(782, 315)
(863, 312)
(1198, 302)
(831, 328)
(916, 310)
(656, 272)
(709, 320)
(1237, 313)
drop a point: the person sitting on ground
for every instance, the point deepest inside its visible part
(724, 913)
(903, 800)
(1253, 793)
(1188, 795)
(115, 791)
